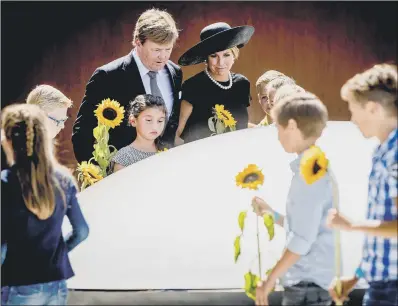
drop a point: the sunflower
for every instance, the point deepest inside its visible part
(110, 113)
(264, 122)
(89, 174)
(160, 151)
(224, 115)
(251, 177)
(313, 164)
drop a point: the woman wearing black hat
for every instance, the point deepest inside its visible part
(218, 48)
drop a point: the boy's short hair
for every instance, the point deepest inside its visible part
(306, 109)
(377, 84)
(268, 76)
(157, 26)
(287, 90)
(48, 98)
(279, 82)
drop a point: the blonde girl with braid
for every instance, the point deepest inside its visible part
(36, 194)
(372, 101)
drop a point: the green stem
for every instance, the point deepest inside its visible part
(258, 248)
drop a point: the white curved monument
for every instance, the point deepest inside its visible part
(169, 221)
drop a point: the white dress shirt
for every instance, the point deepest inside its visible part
(163, 80)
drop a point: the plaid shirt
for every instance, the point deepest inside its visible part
(379, 261)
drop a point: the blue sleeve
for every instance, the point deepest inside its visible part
(80, 228)
(5, 188)
(3, 252)
(4, 213)
(307, 215)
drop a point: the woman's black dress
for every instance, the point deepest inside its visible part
(203, 94)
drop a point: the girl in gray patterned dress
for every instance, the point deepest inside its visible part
(147, 114)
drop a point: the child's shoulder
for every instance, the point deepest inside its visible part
(64, 177)
(125, 150)
(129, 155)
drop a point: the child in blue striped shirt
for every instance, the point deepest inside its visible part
(372, 100)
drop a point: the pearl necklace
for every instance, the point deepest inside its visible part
(218, 84)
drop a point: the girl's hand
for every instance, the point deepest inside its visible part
(260, 207)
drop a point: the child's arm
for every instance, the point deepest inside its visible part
(3, 252)
(251, 125)
(117, 167)
(185, 113)
(306, 217)
(386, 229)
(287, 260)
(80, 228)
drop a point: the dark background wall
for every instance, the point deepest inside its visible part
(319, 44)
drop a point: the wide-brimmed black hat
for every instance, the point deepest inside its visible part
(216, 37)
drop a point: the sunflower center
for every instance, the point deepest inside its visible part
(224, 116)
(250, 178)
(316, 168)
(109, 113)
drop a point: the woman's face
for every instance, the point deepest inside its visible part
(220, 63)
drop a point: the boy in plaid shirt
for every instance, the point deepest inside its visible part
(372, 100)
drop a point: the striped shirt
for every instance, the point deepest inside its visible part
(129, 155)
(379, 260)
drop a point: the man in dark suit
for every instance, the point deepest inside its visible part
(145, 70)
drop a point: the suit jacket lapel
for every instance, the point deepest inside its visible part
(133, 77)
(172, 73)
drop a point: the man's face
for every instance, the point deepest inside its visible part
(154, 56)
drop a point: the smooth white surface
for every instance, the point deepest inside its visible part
(169, 221)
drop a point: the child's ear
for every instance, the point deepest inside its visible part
(373, 107)
(133, 121)
(292, 124)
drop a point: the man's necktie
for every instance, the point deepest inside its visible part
(154, 84)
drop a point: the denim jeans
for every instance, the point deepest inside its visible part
(306, 293)
(52, 293)
(381, 294)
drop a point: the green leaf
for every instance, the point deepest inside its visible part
(237, 248)
(269, 224)
(97, 133)
(248, 281)
(220, 127)
(210, 122)
(251, 281)
(241, 219)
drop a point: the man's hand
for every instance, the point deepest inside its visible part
(337, 221)
(260, 207)
(347, 285)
